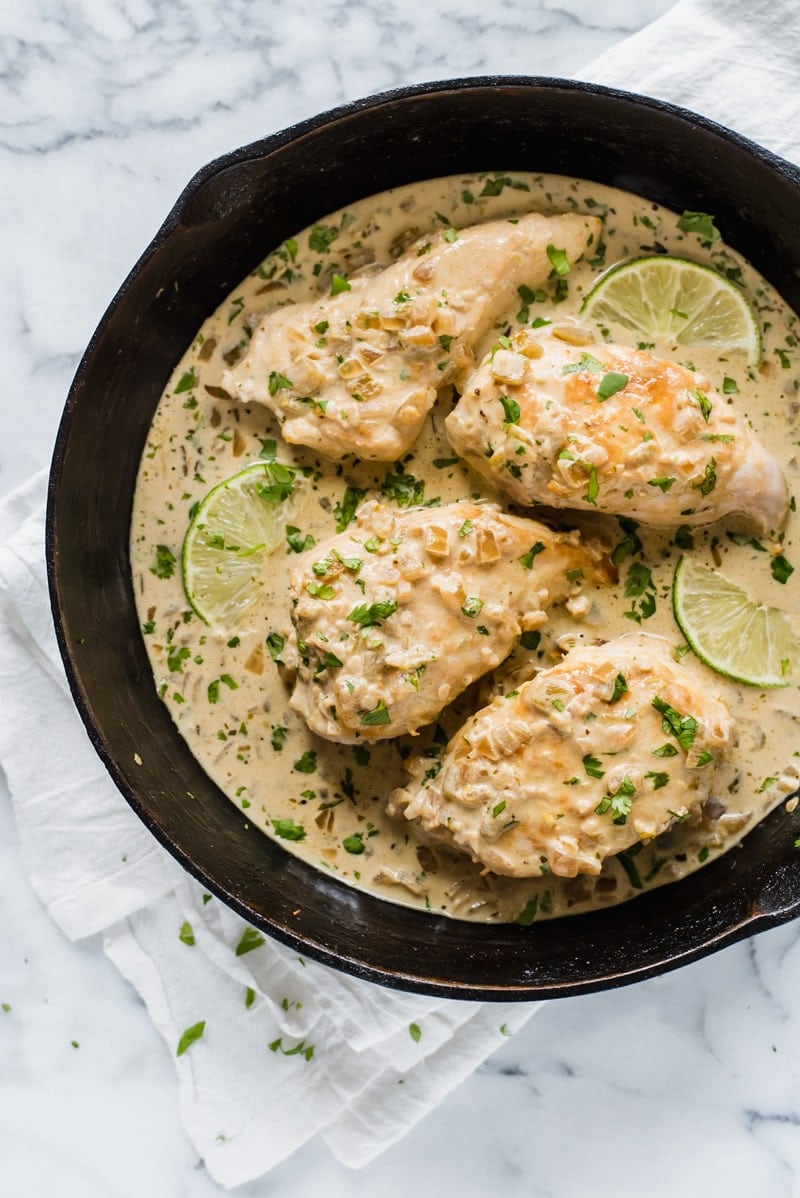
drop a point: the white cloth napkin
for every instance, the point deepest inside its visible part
(735, 61)
(380, 1059)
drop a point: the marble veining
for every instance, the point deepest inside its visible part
(687, 1084)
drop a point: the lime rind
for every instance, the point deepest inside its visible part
(731, 633)
(682, 301)
(231, 534)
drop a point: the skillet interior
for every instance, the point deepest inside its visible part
(231, 214)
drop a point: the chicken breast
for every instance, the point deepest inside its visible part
(614, 429)
(357, 372)
(609, 747)
(399, 614)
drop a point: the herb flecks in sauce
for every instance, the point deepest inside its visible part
(315, 809)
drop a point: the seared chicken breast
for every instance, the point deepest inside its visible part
(607, 748)
(358, 371)
(399, 614)
(613, 429)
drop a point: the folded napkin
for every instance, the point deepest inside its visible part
(735, 61)
(356, 1063)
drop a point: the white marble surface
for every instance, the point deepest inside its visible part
(687, 1084)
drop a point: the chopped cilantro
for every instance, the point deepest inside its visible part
(250, 938)
(404, 489)
(618, 802)
(527, 558)
(627, 862)
(346, 510)
(275, 643)
(558, 260)
(781, 569)
(278, 382)
(587, 363)
(511, 409)
(279, 483)
(610, 384)
(187, 382)
(371, 614)
(287, 829)
(592, 765)
(658, 779)
(472, 606)
(528, 912)
(709, 480)
(495, 185)
(328, 661)
(296, 540)
(378, 715)
(320, 590)
(321, 237)
(703, 402)
(164, 566)
(683, 728)
(700, 223)
(592, 487)
(666, 750)
(190, 1036)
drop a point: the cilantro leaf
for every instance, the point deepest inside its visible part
(404, 489)
(378, 715)
(187, 382)
(558, 260)
(190, 1036)
(164, 566)
(700, 223)
(370, 614)
(682, 727)
(249, 939)
(610, 384)
(511, 409)
(592, 765)
(781, 569)
(306, 764)
(346, 510)
(526, 559)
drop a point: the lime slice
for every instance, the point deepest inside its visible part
(235, 528)
(683, 301)
(729, 631)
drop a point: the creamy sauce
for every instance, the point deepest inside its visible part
(326, 802)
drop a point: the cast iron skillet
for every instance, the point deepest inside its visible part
(232, 213)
